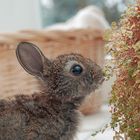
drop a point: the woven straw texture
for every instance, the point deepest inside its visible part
(14, 80)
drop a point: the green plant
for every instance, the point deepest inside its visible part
(124, 47)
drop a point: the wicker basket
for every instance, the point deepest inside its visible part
(14, 80)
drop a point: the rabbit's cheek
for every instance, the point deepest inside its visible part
(84, 88)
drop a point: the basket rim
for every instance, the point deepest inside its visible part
(12, 38)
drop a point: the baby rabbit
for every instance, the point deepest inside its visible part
(51, 114)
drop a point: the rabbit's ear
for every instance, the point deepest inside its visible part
(30, 58)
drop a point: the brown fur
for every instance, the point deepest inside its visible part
(51, 114)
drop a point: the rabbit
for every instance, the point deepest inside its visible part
(52, 113)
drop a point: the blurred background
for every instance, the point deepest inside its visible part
(58, 27)
(21, 14)
(53, 11)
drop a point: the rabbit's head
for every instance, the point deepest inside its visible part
(69, 75)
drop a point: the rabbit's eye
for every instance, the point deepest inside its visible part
(76, 70)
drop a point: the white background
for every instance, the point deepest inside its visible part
(19, 14)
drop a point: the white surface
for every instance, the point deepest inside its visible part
(92, 123)
(19, 14)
